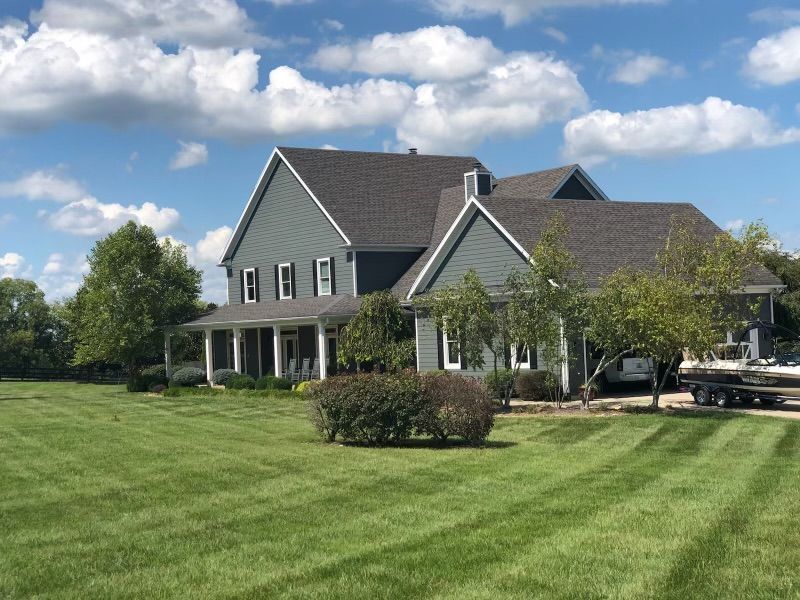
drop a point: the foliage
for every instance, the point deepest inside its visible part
(499, 381)
(535, 385)
(455, 405)
(158, 388)
(31, 332)
(303, 386)
(144, 383)
(221, 376)
(786, 265)
(240, 381)
(270, 382)
(136, 286)
(188, 376)
(464, 310)
(378, 334)
(372, 408)
(156, 371)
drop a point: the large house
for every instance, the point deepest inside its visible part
(324, 227)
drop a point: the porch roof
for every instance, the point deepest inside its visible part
(298, 309)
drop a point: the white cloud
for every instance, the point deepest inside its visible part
(328, 147)
(13, 265)
(430, 53)
(91, 217)
(712, 126)
(43, 185)
(332, 24)
(644, 67)
(775, 60)
(5, 219)
(190, 154)
(204, 255)
(511, 99)
(134, 156)
(206, 23)
(734, 225)
(62, 276)
(54, 264)
(775, 15)
(556, 34)
(515, 11)
(210, 248)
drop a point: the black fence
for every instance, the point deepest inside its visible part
(80, 374)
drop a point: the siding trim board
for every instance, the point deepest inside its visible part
(458, 227)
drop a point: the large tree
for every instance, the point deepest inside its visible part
(786, 265)
(136, 286)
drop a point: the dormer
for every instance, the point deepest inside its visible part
(478, 182)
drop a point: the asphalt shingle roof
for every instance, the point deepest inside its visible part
(540, 184)
(380, 198)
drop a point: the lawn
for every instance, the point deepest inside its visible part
(104, 493)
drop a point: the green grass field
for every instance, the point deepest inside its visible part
(104, 493)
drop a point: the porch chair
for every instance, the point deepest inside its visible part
(315, 369)
(305, 372)
(289, 371)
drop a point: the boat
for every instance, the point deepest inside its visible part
(729, 375)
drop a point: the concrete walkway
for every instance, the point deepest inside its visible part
(682, 400)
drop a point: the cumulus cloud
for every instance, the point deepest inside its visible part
(190, 154)
(430, 53)
(515, 97)
(210, 248)
(644, 67)
(775, 15)
(332, 25)
(90, 217)
(62, 275)
(712, 126)
(516, 11)
(206, 23)
(43, 185)
(13, 265)
(556, 34)
(775, 60)
(204, 255)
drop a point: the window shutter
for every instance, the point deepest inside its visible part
(331, 271)
(277, 284)
(533, 356)
(258, 291)
(294, 284)
(314, 277)
(241, 286)
(440, 348)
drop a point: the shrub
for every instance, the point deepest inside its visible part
(498, 381)
(158, 388)
(369, 407)
(143, 383)
(303, 386)
(240, 382)
(270, 382)
(188, 376)
(159, 370)
(221, 376)
(455, 406)
(535, 385)
(172, 392)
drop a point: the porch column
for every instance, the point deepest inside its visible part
(323, 351)
(276, 349)
(237, 350)
(168, 354)
(209, 354)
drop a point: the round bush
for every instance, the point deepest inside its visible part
(455, 406)
(303, 386)
(270, 382)
(535, 385)
(156, 371)
(499, 381)
(188, 376)
(221, 376)
(240, 382)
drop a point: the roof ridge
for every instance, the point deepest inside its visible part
(539, 172)
(378, 153)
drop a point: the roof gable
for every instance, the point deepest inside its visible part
(567, 182)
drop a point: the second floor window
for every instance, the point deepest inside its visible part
(324, 276)
(249, 285)
(285, 281)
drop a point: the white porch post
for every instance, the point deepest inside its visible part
(168, 354)
(276, 349)
(209, 354)
(323, 351)
(237, 350)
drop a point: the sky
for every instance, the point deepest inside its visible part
(165, 111)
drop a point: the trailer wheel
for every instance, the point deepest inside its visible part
(702, 396)
(766, 401)
(723, 398)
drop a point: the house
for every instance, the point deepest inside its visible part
(323, 227)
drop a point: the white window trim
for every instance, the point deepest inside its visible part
(522, 364)
(281, 281)
(244, 278)
(326, 259)
(449, 366)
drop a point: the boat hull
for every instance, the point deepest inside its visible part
(765, 380)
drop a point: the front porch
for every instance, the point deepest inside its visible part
(256, 339)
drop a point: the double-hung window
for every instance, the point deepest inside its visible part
(524, 360)
(285, 281)
(452, 351)
(324, 277)
(249, 285)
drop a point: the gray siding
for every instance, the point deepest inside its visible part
(288, 226)
(573, 189)
(381, 270)
(469, 182)
(483, 248)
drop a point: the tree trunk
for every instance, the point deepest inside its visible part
(657, 389)
(600, 368)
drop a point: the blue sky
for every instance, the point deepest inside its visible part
(165, 110)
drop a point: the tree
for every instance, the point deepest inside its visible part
(30, 335)
(378, 334)
(786, 265)
(689, 304)
(136, 286)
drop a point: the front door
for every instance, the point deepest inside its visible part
(289, 349)
(331, 340)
